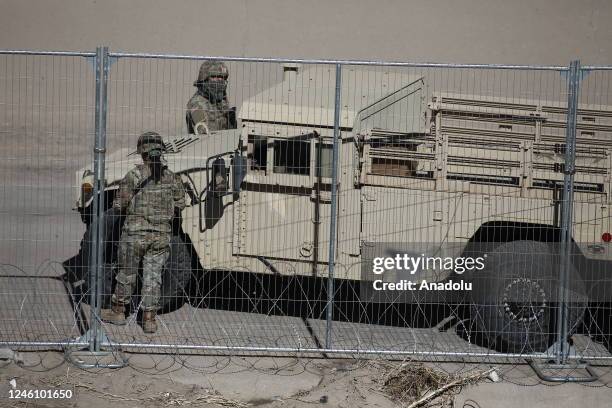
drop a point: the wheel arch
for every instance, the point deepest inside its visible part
(506, 231)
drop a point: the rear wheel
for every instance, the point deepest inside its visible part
(514, 299)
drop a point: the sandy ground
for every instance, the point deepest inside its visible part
(275, 382)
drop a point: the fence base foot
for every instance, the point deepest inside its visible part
(95, 359)
(573, 366)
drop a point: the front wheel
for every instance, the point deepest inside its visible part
(176, 274)
(514, 299)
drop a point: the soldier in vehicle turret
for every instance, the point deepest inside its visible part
(208, 109)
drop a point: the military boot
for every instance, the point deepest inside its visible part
(149, 325)
(114, 315)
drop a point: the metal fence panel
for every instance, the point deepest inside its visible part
(252, 284)
(591, 235)
(338, 177)
(46, 105)
(447, 172)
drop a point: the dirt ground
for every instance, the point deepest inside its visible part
(234, 381)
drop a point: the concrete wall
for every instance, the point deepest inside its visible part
(483, 31)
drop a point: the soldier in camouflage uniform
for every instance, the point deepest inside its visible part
(208, 109)
(148, 196)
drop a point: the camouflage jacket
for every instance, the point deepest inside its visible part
(148, 203)
(200, 109)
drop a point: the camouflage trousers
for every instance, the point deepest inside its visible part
(153, 249)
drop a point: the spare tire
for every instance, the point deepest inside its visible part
(176, 274)
(514, 299)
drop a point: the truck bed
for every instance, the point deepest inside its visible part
(473, 143)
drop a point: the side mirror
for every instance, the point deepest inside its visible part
(219, 177)
(239, 171)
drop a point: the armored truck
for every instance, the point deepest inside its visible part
(426, 170)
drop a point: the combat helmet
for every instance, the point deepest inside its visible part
(211, 68)
(149, 142)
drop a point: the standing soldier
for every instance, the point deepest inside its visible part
(148, 195)
(208, 109)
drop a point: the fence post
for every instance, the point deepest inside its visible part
(94, 324)
(97, 223)
(95, 335)
(562, 349)
(334, 212)
(567, 211)
(102, 69)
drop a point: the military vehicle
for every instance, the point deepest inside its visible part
(443, 169)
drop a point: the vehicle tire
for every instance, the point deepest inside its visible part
(514, 298)
(176, 274)
(79, 274)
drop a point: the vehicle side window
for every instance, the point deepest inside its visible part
(292, 157)
(257, 153)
